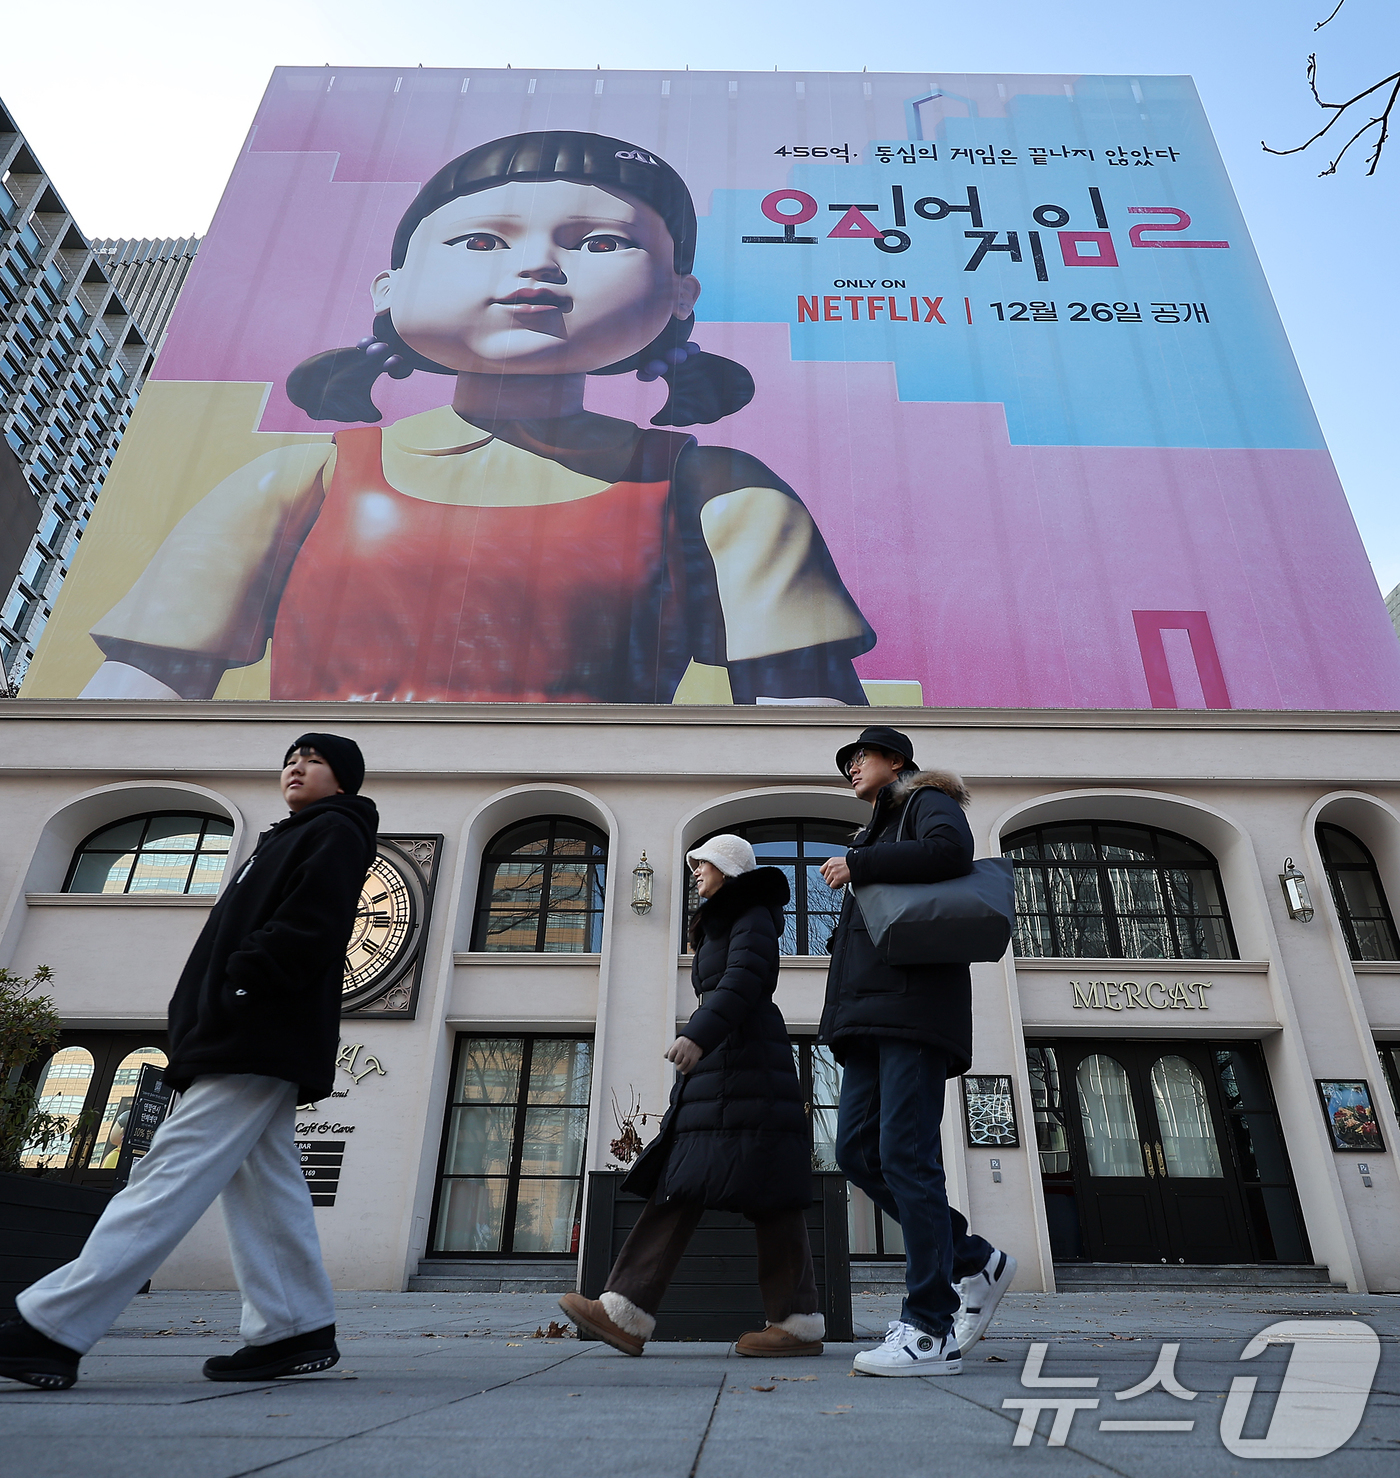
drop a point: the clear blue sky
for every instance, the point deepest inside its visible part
(138, 110)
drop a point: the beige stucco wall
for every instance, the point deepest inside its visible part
(1251, 787)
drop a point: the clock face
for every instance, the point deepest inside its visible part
(386, 925)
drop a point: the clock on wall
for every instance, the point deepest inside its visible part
(384, 960)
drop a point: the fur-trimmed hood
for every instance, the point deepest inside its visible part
(764, 885)
(948, 781)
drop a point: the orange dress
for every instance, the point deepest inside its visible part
(397, 599)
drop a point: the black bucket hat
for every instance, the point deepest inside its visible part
(879, 737)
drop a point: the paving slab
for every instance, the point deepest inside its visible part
(470, 1384)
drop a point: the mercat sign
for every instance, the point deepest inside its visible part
(1133, 995)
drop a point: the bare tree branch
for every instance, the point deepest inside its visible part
(1335, 9)
(1381, 122)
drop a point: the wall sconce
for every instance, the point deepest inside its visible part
(1295, 892)
(641, 886)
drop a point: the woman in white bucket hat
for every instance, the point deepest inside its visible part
(735, 1136)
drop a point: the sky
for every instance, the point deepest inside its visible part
(137, 112)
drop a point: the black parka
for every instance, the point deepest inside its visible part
(735, 1135)
(260, 992)
(925, 1003)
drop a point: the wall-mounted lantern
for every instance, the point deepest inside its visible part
(641, 886)
(1295, 892)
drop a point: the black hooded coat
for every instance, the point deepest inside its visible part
(260, 992)
(735, 1135)
(921, 1003)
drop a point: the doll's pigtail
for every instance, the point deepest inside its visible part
(703, 387)
(337, 385)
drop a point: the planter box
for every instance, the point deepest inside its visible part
(43, 1224)
(714, 1295)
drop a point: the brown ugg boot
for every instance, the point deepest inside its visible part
(798, 1334)
(608, 1319)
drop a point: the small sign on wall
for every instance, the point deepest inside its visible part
(990, 1111)
(321, 1160)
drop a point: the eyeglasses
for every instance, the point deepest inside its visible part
(859, 755)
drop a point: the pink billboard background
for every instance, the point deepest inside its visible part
(995, 574)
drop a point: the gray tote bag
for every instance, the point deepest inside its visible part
(949, 923)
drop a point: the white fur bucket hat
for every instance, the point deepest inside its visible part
(731, 854)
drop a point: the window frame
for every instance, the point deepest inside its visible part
(513, 1176)
(491, 860)
(797, 907)
(146, 817)
(1113, 935)
(1344, 914)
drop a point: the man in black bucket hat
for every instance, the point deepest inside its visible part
(900, 1034)
(254, 1027)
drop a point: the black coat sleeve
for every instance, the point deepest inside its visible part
(750, 975)
(314, 916)
(938, 845)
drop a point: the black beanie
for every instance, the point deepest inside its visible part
(341, 754)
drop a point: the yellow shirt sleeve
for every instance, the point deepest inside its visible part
(212, 587)
(778, 588)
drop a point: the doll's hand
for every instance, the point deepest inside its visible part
(836, 872)
(684, 1053)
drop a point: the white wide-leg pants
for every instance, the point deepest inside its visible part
(231, 1136)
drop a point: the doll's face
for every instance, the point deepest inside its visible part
(545, 278)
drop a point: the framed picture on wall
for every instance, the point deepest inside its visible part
(1350, 1114)
(990, 1111)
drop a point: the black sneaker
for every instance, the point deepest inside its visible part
(302, 1354)
(34, 1358)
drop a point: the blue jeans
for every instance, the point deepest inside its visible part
(888, 1142)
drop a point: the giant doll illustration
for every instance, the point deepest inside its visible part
(511, 546)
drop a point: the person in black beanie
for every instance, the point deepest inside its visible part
(254, 1028)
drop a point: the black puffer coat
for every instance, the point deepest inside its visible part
(735, 1135)
(260, 992)
(925, 1003)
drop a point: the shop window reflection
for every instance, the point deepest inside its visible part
(513, 1147)
(542, 888)
(1362, 907)
(165, 852)
(111, 1126)
(1107, 890)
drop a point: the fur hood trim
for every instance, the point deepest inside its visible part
(948, 781)
(764, 885)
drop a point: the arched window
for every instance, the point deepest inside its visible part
(1360, 899)
(542, 888)
(1105, 890)
(798, 847)
(167, 852)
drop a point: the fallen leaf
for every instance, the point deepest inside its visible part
(762, 1388)
(514, 1345)
(996, 1359)
(792, 1377)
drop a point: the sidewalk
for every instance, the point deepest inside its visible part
(460, 1385)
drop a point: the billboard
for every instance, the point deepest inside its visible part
(502, 386)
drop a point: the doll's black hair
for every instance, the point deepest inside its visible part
(337, 385)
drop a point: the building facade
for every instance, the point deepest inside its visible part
(1185, 1060)
(72, 359)
(149, 275)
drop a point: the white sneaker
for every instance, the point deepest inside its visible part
(978, 1297)
(910, 1351)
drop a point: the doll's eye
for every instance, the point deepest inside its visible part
(479, 241)
(607, 242)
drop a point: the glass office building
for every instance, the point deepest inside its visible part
(75, 346)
